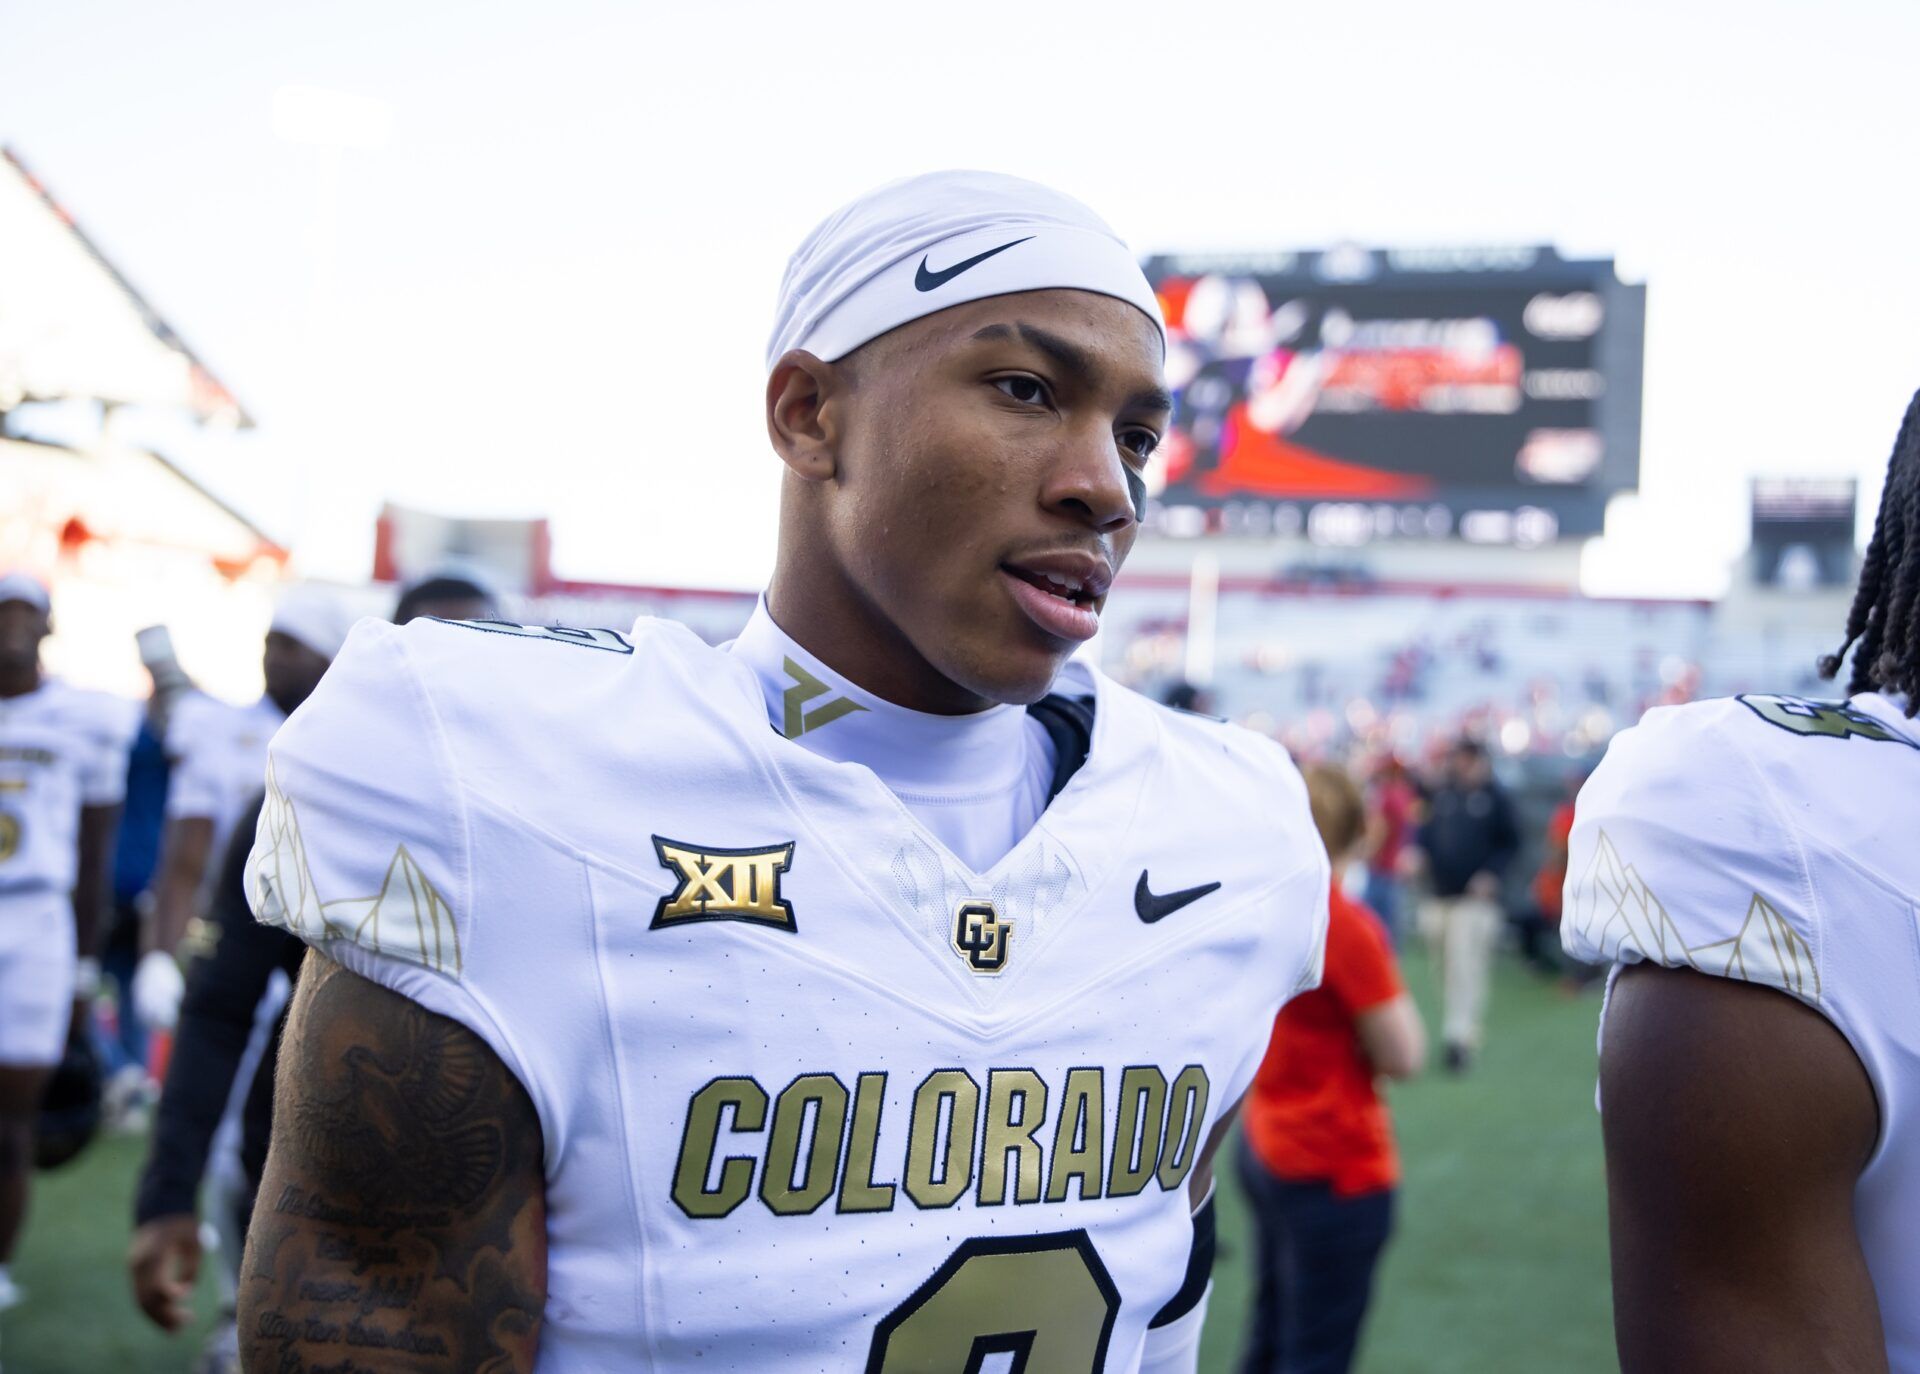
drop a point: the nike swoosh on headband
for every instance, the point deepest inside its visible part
(923, 280)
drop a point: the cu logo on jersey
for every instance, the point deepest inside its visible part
(981, 936)
(724, 884)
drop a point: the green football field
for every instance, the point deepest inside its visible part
(1498, 1267)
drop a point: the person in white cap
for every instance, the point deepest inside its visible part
(219, 756)
(63, 764)
(867, 994)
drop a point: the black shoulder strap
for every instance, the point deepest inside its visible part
(1068, 722)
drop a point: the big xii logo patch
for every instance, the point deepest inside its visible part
(724, 884)
(981, 936)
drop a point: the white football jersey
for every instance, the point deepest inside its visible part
(61, 748)
(815, 1095)
(1772, 839)
(219, 756)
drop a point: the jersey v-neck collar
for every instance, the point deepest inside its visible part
(915, 753)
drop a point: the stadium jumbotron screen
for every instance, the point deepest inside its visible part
(1359, 394)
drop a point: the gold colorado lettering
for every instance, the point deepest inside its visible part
(1020, 1138)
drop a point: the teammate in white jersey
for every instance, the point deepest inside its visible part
(805, 1004)
(219, 756)
(63, 765)
(1750, 866)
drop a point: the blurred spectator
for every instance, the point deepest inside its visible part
(136, 858)
(220, 758)
(1185, 696)
(1391, 808)
(450, 594)
(1465, 844)
(219, 754)
(1539, 924)
(1317, 1155)
(220, 1061)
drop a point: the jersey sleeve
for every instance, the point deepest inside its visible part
(103, 776)
(362, 847)
(1681, 856)
(193, 784)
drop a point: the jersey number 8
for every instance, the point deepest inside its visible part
(1047, 1300)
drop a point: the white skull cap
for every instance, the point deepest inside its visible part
(920, 245)
(20, 586)
(316, 617)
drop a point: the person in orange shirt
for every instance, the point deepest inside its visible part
(1540, 927)
(1317, 1157)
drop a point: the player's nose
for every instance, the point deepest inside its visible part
(1088, 482)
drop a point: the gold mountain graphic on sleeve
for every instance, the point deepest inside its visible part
(406, 919)
(1767, 950)
(278, 881)
(1616, 912)
(1613, 907)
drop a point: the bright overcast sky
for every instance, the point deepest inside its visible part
(551, 286)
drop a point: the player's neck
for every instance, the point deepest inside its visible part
(813, 703)
(836, 623)
(17, 680)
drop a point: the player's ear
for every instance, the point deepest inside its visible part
(803, 414)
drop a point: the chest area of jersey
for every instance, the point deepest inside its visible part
(40, 771)
(831, 1052)
(38, 753)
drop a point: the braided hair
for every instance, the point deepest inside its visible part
(1883, 627)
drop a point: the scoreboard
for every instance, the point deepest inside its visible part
(1357, 394)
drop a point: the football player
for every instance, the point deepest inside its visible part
(63, 766)
(219, 758)
(868, 994)
(219, 754)
(1749, 867)
(450, 593)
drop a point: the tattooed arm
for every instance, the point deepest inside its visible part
(401, 1223)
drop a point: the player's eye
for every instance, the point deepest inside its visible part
(1139, 442)
(1024, 389)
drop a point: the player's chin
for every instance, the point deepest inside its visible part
(1022, 680)
(1016, 661)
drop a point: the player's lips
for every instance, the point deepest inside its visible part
(1061, 592)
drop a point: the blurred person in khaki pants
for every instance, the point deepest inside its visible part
(1465, 843)
(1317, 1157)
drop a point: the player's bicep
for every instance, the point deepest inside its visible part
(1737, 1121)
(403, 1208)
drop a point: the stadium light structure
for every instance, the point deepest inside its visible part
(1203, 606)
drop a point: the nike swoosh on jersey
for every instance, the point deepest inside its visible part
(923, 280)
(1151, 908)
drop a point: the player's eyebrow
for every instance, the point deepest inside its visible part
(1074, 360)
